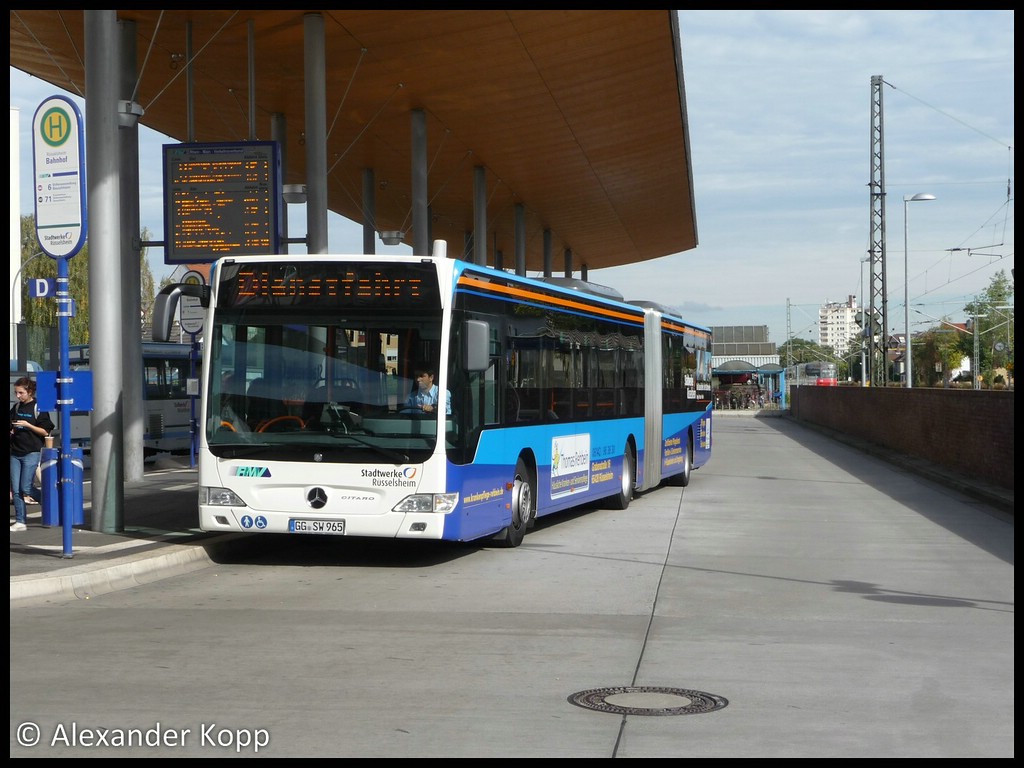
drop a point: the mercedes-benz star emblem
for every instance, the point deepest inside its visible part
(316, 498)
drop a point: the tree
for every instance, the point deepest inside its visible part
(39, 315)
(797, 350)
(991, 321)
(147, 287)
(850, 367)
(937, 347)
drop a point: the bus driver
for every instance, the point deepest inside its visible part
(425, 397)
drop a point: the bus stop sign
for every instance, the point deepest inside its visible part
(58, 150)
(192, 313)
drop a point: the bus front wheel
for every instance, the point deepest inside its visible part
(524, 495)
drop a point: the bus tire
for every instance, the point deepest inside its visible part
(524, 500)
(683, 478)
(621, 499)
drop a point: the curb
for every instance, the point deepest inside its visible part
(86, 581)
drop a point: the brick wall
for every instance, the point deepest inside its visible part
(969, 431)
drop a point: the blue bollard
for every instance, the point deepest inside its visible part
(49, 459)
(50, 501)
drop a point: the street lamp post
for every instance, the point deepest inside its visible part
(17, 313)
(907, 364)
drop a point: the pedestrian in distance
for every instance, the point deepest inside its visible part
(29, 429)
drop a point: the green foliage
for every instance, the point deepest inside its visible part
(40, 314)
(990, 323)
(797, 350)
(936, 347)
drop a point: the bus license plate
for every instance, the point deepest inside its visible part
(335, 527)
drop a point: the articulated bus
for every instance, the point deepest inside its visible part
(561, 394)
(167, 407)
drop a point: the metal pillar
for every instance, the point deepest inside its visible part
(877, 321)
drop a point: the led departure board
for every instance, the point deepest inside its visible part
(221, 200)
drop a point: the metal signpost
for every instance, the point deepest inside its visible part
(58, 150)
(191, 320)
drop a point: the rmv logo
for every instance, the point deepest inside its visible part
(252, 472)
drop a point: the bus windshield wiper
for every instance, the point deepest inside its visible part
(397, 457)
(236, 451)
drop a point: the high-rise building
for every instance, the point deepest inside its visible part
(837, 324)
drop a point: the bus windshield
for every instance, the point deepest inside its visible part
(306, 372)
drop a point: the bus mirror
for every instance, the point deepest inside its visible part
(476, 345)
(164, 306)
(166, 303)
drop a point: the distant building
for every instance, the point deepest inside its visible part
(748, 343)
(837, 324)
(744, 366)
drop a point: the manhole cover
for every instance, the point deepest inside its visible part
(647, 700)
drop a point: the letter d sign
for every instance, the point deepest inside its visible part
(42, 287)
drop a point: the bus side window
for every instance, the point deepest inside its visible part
(512, 405)
(561, 402)
(581, 409)
(604, 404)
(529, 404)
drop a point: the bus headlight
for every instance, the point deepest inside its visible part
(219, 497)
(428, 502)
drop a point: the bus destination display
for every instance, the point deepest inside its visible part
(327, 284)
(221, 200)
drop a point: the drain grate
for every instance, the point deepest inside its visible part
(647, 700)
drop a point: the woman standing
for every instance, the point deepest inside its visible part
(29, 427)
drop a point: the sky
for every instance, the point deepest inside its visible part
(779, 115)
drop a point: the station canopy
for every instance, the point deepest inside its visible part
(578, 117)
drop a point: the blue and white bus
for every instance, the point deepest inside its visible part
(166, 368)
(561, 394)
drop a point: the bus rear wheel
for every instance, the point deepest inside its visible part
(524, 494)
(683, 478)
(621, 499)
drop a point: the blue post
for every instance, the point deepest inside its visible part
(67, 476)
(61, 228)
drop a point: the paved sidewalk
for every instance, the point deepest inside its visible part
(160, 538)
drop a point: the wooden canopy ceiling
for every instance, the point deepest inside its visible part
(580, 116)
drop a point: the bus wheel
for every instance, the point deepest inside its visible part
(523, 506)
(683, 478)
(621, 499)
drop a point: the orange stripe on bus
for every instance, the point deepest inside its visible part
(545, 298)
